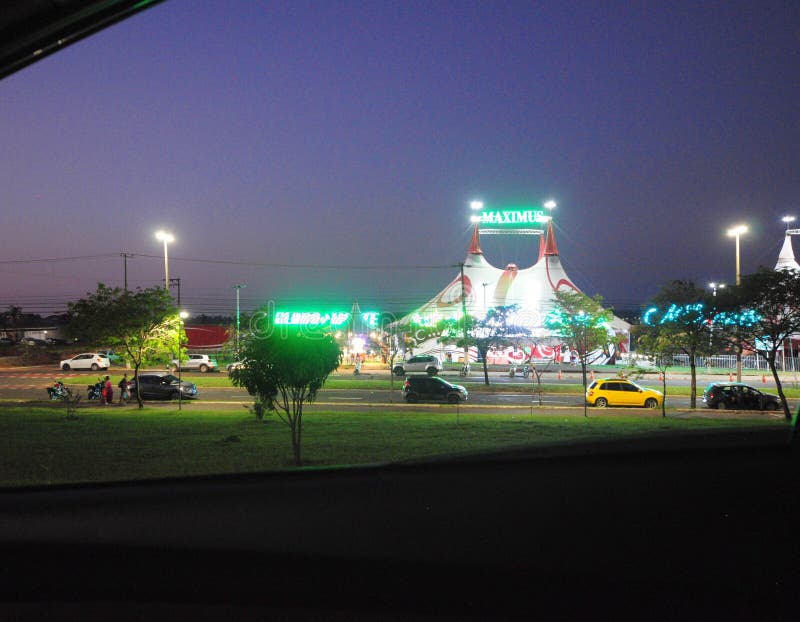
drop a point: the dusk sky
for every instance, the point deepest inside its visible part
(328, 151)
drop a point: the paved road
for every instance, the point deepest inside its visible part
(27, 384)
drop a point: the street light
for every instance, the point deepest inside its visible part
(736, 232)
(715, 286)
(165, 237)
(182, 316)
(237, 287)
(788, 220)
(550, 204)
(476, 205)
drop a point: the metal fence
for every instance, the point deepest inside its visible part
(728, 361)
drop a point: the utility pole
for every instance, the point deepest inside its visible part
(237, 287)
(125, 267)
(464, 315)
(177, 282)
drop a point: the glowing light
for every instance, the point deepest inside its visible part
(165, 236)
(737, 230)
(476, 205)
(550, 204)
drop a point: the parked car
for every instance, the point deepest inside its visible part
(88, 360)
(418, 388)
(235, 365)
(201, 362)
(162, 387)
(620, 392)
(33, 341)
(112, 356)
(57, 341)
(737, 395)
(5, 341)
(429, 363)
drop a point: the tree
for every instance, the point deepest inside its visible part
(680, 315)
(285, 368)
(662, 351)
(582, 323)
(143, 322)
(495, 330)
(763, 312)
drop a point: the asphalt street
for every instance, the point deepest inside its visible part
(29, 384)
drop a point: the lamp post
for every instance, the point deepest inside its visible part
(237, 287)
(550, 205)
(165, 237)
(181, 317)
(737, 231)
(788, 220)
(714, 287)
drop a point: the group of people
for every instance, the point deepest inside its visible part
(107, 392)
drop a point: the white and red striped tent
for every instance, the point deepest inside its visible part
(484, 286)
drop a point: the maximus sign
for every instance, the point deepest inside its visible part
(510, 218)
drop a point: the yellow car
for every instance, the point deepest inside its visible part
(621, 392)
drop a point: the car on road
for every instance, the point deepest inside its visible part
(740, 396)
(424, 388)
(199, 362)
(88, 360)
(112, 356)
(621, 392)
(235, 365)
(163, 387)
(428, 363)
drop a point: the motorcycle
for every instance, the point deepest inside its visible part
(59, 391)
(95, 391)
(525, 370)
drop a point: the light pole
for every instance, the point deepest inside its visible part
(714, 287)
(165, 237)
(736, 232)
(788, 220)
(550, 204)
(237, 287)
(181, 317)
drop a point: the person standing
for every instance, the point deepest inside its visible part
(124, 390)
(109, 388)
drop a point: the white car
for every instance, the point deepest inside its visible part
(200, 362)
(428, 363)
(88, 360)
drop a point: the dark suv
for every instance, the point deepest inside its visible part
(163, 387)
(418, 388)
(740, 396)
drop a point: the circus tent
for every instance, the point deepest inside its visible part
(485, 286)
(786, 260)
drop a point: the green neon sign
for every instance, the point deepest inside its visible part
(322, 318)
(516, 218)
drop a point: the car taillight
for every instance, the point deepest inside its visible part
(590, 392)
(407, 384)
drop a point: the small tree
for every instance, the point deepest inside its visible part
(680, 314)
(143, 322)
(582, 323)
(495, 330)
(662, 351)
(763, 313)
(285, 369)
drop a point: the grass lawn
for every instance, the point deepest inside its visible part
(40, 446)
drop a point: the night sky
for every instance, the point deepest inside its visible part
(327, 151)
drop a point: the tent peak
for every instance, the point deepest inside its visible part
(550, 247)
(475, 242)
